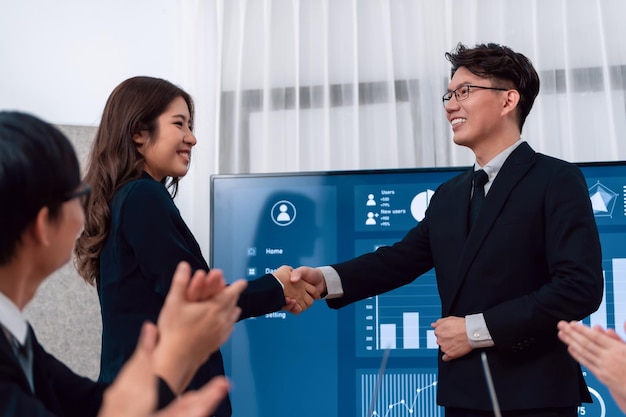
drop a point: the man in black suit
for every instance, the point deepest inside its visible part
(40, 217)
(530, 258)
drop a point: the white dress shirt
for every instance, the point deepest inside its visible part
(12, 319)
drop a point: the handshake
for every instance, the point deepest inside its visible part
(197, 317)
(301, 286)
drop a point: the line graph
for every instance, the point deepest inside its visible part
(402, 393)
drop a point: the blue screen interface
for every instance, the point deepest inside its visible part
(324, 362)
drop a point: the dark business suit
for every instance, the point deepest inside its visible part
(532, 258)
(147, 239)
(58, 390)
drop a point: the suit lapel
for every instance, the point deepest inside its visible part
(9, 365)
(512, 171)
(43, 388)
(452, 215)
(463, 191)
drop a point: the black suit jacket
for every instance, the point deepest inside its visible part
(532, 258)
(147, 239)
(58, 390)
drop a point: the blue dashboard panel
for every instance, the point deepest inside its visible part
(325, 362)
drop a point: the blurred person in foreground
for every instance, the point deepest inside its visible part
(40, 218)
(602, 352)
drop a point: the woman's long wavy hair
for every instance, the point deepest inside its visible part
(133, 106)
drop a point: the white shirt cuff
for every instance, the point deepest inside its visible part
(333, 282)
(477, 333)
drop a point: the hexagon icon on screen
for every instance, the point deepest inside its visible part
(419, 204)
(283, 212)
(602, 200)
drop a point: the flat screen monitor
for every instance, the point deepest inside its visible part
(325, 362)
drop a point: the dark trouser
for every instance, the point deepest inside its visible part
(541, 412)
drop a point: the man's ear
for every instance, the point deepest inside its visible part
(40, 228)
(511, 100)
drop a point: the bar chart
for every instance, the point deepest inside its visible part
(400, 319)
(611, 313)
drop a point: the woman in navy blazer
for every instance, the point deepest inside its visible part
(134, 235)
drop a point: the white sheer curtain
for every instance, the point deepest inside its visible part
(357, 84)
(309, 85)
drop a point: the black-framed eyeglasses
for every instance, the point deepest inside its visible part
(81, 192)
(463, 92)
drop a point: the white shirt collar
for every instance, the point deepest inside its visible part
(12, 319)
(493, 167)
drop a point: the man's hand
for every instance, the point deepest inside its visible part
(298, 295)
(451, 337)
(189, 331)
(601, 351)
(134, 391)
(203, 286)
(200, 403)
(313, 276)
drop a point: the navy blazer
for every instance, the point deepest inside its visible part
(532, 258)
(147, 239)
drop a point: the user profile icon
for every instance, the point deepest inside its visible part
(283, 213)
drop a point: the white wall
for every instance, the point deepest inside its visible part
(60, 60)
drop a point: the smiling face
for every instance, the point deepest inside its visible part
(168, 153)
(482, 118)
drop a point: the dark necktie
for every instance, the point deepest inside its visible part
(24, 355)
(480, 179)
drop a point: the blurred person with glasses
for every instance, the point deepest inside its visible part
(602, 351)
(82, 193)
(40, 217)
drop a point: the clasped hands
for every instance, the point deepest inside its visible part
(302, 286)
(308, 283)
(197, 317)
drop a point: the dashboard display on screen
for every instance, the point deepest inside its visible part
(325, 363)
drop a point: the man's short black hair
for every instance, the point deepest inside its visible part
(500, 63)
(38, 168)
